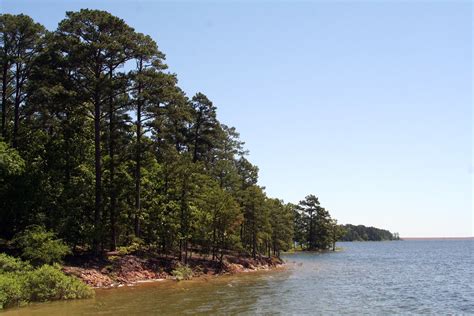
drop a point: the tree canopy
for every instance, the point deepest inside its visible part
(363, 233)
(100, 146)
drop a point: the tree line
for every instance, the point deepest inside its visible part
(101, 146)
(363, 233)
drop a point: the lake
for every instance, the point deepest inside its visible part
(399, 277)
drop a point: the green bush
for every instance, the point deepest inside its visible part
(50, 283)
(20, 283)
(182, 273)
(12, 290)
(12, 264)
(40, 246)
(11, 163)
(135, 245)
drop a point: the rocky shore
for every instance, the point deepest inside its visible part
(115, 271)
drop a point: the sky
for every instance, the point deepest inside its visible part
(366, 104)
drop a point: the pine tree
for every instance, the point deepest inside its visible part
(97, 44)
(20, 41)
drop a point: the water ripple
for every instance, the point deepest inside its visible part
(409, 277)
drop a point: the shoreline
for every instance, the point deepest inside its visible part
(133, 270)
(201, 278)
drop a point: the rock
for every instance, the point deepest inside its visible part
(130, 269)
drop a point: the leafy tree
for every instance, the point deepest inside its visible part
(299, 225)
(219, 219)
(11, 163)
(12, 166)
(40, 246)
(181, 192)
(281, 220)
(337, 231)
(256, 220)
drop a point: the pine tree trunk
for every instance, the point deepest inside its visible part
(184, 227)
(16, 114)
(113, 194)
(214, 246)
(98, 174)
(196, 137)
(67, 144)
(254, 244)
(4, 99)
(138, 173)
(311, 234)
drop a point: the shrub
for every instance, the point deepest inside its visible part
(20, 283)
(11, 163)
(135, 245)
(12, 264)
(40, 246)
(11, 290)
(50, 283)
(182, 273)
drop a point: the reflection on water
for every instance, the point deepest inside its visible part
(370, 278)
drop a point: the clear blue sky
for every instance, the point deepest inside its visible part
(368, 105)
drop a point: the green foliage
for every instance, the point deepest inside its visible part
(135, 246)
(20, 283)
(281, 220)
(182, 272)
(49, 283)
(363, 233)
(12, 292)
(110, 153)
(40, 246)
(12, 264)
(314, 224)
(21, 40)
(11, 162)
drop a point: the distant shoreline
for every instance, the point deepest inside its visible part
(437, 238)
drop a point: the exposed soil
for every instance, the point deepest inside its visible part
(115, 270)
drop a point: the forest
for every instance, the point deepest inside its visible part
(102, 152)
(363, 233)
(102, 148)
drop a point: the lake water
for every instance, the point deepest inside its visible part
(405, 277)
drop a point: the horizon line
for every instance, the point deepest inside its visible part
(426, 238)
